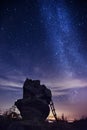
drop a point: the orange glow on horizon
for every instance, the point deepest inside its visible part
(70, 117)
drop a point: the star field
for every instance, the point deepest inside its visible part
(46, 40)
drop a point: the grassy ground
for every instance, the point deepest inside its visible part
(15, 124)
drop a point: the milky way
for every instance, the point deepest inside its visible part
(46, 40)
(62, 34)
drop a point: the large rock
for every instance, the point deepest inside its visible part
(30, 87)
(35, 102)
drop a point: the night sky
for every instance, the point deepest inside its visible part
(45, 40)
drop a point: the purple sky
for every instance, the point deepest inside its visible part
(45, 40)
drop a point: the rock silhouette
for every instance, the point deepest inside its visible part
(35, 102)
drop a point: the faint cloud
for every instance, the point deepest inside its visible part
(4, 82)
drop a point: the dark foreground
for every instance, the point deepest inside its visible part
(15, 124)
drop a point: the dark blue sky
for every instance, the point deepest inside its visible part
(46, 40)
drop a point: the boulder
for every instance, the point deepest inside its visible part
(35, 102)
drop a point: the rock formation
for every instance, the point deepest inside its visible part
(35, 102)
